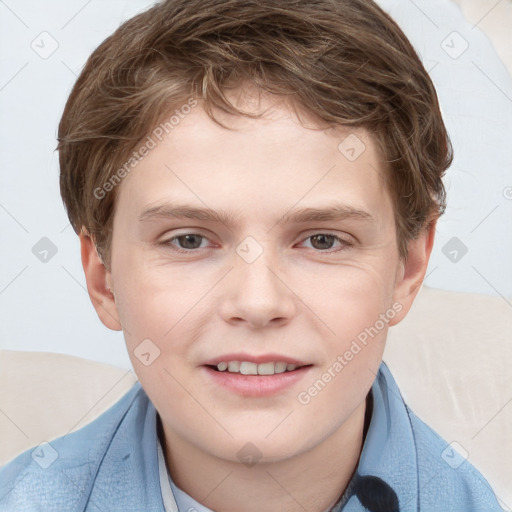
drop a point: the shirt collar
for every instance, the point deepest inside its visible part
(389, 452)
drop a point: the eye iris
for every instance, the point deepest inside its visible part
(323, 240)
(189, 241)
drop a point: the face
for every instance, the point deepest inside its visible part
(272, 245)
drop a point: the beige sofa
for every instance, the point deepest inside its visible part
(452, 358)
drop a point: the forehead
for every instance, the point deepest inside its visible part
(276, 158)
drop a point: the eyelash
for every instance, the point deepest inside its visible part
(345, 243)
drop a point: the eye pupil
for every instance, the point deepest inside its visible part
(323, 241)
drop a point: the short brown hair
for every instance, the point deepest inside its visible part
(343, 61)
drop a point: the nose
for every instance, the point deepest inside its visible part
(256, 294)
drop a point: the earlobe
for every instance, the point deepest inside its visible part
(412, 271)
(99, 283)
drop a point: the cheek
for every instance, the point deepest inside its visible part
(159, 309)
(348, 297)
(154, 299)
(164, 311)
(355, 309)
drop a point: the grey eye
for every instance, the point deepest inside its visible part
(190, 241)
(322, 241)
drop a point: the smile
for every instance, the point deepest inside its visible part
(250, 368)
(251, 379)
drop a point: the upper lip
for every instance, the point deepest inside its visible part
(258, 359)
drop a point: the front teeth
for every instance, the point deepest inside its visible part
(248, 368)
(233, 366)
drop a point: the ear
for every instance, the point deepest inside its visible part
(99, 283)
(411, 272)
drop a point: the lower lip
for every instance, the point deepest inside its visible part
(256, 385)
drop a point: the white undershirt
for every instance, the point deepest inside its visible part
(175, 500)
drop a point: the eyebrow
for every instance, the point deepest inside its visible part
(336, 212)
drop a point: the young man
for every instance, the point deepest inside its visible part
(255, 185)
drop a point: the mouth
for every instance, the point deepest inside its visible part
(252, 376)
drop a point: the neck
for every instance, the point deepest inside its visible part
(311, 481)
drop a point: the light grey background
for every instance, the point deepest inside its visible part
(44, 305)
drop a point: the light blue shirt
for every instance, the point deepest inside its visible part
(112, 464)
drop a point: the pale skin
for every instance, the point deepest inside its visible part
(303, 297)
